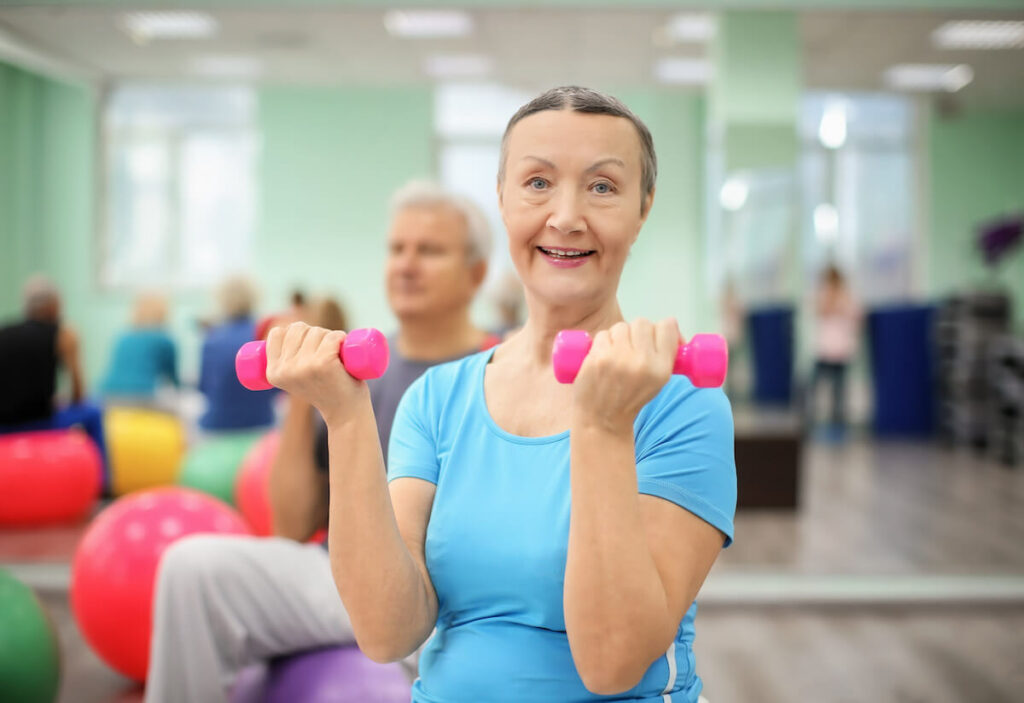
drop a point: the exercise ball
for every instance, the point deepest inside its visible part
(252, 488)
(330, 675)
(213, 464)
(47, 477)
(145, 448)
(29, 654)
(114, 568)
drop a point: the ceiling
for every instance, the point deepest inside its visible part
(529, 49)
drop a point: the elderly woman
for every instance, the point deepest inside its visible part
(229, 406)
(144, 355)
(471, 532)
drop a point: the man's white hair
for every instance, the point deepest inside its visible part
(429, 194)
(39, 292)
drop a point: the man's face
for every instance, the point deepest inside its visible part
(428, 271)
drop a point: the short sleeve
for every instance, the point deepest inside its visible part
(685, 453)
(412, 449)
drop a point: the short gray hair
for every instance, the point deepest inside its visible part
(590, 102)
(38, 293)
(429, 194)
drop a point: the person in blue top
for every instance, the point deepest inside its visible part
(229, 405)
(556, 536)
(144, 355)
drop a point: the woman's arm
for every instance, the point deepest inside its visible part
(634, 567)
(385, 588)
(635, 562)
(376, 544)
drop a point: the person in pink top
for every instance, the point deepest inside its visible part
(837, 338)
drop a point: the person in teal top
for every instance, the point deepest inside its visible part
(549, 540)
(144, 355)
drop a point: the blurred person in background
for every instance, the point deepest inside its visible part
(733, 316)
(229, 406)
(32, 351)
(510, 302)
(836, 340)
(144, 355)
(224, 603)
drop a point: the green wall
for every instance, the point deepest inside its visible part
(976, 167)
(331, 160)
(665, 273)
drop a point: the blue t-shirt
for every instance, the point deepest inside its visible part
(141, 358)
(229, 404)
(498, 535)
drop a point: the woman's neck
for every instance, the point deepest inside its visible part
(438, 337)
(534, 342)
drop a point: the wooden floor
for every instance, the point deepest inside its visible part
(890, 508)
(779, 655)
(869, 509)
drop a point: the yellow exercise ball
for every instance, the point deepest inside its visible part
(144, 447)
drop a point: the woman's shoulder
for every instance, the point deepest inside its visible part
(451, 374)
(681, 403)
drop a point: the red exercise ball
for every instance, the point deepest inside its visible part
(46, 477)
(252, 487)
(114, 570)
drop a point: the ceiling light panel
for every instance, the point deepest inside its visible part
(691, 27)
(681, 71)
(428, 24)
(147, 26)
(928, 77)
(976, 34)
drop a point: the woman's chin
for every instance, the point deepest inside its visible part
(564, 294)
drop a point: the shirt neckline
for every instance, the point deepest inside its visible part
(493, 426)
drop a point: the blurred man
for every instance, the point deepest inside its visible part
(223, 603)
(31, 353)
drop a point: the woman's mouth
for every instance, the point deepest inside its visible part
(564, 257)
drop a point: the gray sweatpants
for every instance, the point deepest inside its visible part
(222, 603)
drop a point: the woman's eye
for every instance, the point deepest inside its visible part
(538, 183)
(603, 188)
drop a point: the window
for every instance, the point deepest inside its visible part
(180, 184)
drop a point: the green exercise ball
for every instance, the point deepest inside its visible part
(213, 464)
(29, 657)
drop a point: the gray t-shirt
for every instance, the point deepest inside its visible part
(385, 392)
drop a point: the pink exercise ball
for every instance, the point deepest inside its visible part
(252, 487)
(115, 565)
(47, 477)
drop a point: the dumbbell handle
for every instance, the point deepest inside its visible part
(364, 354)
(704, 359)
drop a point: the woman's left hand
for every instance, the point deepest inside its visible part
(627, 366)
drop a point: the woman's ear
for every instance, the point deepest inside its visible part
(645, 206)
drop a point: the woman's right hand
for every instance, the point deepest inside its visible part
(304, 361)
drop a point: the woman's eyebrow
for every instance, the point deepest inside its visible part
(544, 162)
(602, 162)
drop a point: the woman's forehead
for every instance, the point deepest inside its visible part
(556, 135)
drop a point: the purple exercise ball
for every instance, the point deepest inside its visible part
(331, 675)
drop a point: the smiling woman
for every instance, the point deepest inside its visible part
(472, 533)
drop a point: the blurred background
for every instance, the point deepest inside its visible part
(879, 551)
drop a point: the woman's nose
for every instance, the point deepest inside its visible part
(567, 213)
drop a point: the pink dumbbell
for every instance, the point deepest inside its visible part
(704, 359)
(364, 353)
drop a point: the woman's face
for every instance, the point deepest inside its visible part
(572, 204)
